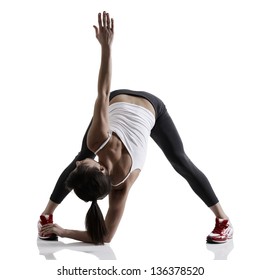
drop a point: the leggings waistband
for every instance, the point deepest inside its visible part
(157, 103)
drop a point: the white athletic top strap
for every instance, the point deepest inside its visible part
(104, 144)
(116, 185)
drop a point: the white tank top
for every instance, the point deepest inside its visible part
(133, 125)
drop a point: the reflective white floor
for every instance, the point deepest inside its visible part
(221, 251)
(53, 250)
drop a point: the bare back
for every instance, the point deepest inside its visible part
(115, 153)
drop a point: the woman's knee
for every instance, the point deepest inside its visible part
(182, 164)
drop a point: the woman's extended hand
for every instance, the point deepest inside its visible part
(52, 228)
(105, 29)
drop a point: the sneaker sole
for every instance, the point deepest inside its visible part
(49, 238)
(209, 240)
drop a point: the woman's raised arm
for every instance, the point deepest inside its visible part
(105, 34)
(98, 131)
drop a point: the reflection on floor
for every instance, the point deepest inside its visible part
(49, 248)
(52, 250)
(221, 251)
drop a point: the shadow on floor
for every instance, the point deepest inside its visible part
(49, 248)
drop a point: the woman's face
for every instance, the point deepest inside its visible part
(88, 162)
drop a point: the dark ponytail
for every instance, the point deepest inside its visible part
(95, 223)
(89, 184)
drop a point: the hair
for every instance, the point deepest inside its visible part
(90, 184)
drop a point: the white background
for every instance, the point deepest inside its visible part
(201, 57)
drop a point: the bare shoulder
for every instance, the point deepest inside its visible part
(99, 129)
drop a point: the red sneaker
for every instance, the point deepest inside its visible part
(222, 232)
(46, 219)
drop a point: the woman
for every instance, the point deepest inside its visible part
(122, 122)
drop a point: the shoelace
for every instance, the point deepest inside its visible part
(45, 220)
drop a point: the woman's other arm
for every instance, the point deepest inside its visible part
(117, 201)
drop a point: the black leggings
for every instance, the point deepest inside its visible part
(166, 136)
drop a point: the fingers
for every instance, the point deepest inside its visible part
(104, 21)
(47, 229)
(96, 29)
(112, 25)
(110, 22)
(105, 30)
(99, 21)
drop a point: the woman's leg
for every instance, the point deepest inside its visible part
(167, 138)
(50, 208)
(218, 211)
